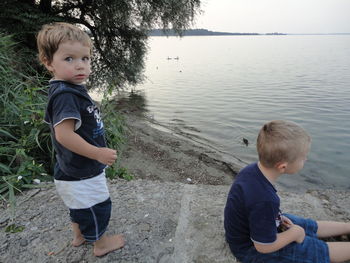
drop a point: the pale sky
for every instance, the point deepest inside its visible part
(283, 16)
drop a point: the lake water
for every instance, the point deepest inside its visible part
(222, 89)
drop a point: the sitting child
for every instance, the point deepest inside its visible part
(256, 230)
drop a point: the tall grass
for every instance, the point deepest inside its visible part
(115, 136)
(25, 144)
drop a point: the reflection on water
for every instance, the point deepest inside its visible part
(223, 89)
(134, 102)
(124, 101)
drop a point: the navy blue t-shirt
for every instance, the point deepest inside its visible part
(252, 210)
(71, 101)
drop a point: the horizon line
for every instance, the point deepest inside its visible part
(272, 32)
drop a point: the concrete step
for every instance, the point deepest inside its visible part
(161, 221)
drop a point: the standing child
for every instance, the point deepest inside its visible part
(78, 136)
(256, 230)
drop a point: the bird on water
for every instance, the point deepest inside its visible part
(245, 141)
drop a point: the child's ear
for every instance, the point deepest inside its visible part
(281, 166)
(47, 64)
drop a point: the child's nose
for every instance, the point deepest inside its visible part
(79, 64)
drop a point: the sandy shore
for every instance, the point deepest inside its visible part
(154, 152)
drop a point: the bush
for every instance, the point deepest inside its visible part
(25, 144)
(115, 136)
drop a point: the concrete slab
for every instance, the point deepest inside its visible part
(161, 221)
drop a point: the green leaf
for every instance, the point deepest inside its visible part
(37, 140)
(14, 229)
(31, 186)
(7, 134)
(5, 168)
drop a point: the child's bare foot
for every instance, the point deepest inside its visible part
(78, 238)
(78, 241)
(108, 244)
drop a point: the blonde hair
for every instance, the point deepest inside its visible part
(52, 35)
(281, 141)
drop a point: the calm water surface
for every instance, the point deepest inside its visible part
(222, 89)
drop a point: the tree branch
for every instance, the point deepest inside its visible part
(65, 9)
(45, 6)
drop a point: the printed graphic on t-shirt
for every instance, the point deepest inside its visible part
(98, 131)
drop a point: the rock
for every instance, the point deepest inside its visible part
(36, 181)
(23, 242)
(145, 227)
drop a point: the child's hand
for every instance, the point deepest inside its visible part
(106, 156)
(286, 222)
(300, 233)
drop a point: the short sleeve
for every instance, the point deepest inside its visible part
(262, 222)
(66, 106)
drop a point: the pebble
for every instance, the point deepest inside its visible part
(145, 227)
(36, 181)
(23, 242)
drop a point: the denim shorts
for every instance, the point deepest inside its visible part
(311, 250)
(92, 221)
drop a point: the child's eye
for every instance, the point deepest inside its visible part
(86, 58)
(68, 59)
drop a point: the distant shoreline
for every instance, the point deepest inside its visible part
(202, 32)
(205, 32)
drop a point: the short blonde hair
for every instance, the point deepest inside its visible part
(281, 141)
(52, 35)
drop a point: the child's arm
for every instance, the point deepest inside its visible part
(294, 233)
(66, 136)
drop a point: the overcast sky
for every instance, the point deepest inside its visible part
(284, 16)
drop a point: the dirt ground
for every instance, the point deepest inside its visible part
(155, 154)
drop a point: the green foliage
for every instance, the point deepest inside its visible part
(25, 143)
(115, 136)
(119, 29)
(14, 228)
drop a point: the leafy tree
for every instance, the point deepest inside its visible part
(118, 27)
